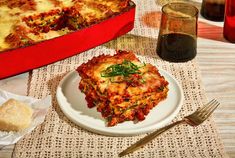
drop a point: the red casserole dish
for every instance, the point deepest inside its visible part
(23, 59)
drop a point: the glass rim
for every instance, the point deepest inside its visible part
(178, 3)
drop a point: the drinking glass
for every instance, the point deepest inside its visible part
(213, 10)
(177, 39)
(229, 22)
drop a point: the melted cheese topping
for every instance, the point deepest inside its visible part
(44, 6)
(6, 22)
(90, 10)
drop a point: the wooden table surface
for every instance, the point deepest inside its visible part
(216, 58)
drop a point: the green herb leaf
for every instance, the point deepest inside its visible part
(125, 69)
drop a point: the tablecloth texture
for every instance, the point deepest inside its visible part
(58, 137)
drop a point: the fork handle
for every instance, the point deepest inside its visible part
(148, 138)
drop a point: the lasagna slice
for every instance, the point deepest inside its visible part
(121, 87)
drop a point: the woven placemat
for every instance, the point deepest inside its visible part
(58, 137)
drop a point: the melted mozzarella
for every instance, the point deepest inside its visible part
(6, 23)
(44, 6)
(11, 17)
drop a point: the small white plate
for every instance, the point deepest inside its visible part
(73, 104)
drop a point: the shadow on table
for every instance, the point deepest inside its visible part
(53, 84)
(151, 19)
(145, 46)
(209, 31)
(205, 30)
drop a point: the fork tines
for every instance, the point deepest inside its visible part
(209, 108)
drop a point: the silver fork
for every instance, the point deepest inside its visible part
(194, 119)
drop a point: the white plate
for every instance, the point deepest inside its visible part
(73, 104)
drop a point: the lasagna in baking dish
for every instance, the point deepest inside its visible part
(121, 87)
(25, 22)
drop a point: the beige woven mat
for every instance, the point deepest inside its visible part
(58, 137)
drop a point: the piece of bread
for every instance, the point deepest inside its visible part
(15, 115)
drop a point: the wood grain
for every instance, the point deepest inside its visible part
(217, 64)
(216, 58)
